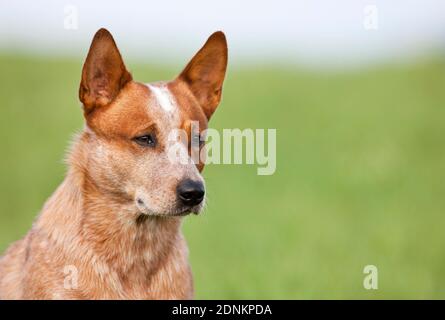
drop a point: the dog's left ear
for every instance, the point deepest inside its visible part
(104, 73)
(205, 73)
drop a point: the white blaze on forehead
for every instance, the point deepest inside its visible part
(164, 97)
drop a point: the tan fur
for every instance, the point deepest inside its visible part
(92, 223)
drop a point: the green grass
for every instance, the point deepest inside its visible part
(360, 177)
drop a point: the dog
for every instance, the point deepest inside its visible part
(112, 229)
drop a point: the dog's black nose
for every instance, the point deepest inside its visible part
(190, 192)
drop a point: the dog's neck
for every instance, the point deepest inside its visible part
(103, 224)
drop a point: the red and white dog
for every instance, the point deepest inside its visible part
(112, 230)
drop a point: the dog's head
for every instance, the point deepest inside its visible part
(131, 125)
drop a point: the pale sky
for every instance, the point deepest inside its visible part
(310, 32)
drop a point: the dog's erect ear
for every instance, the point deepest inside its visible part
(104, 73)
(205, 73)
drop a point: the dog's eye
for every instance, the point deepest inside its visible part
(147, 140)
(202, 141)
(198, 140)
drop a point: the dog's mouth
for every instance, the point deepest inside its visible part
(185, 211)
(181, 211)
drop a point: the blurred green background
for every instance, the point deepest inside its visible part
(360, 176)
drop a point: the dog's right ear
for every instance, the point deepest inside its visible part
(103, 74)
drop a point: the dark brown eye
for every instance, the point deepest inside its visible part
(147, 140)
(202, 141)
(198, 140)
